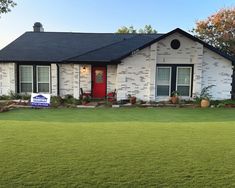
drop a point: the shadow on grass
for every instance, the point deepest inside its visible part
(121, 115)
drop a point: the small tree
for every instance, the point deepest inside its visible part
(125, 29)
(148, 29)
(6, 5)
(218, 30)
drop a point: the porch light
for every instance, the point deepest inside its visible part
(83, 69)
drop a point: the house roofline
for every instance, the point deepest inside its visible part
(178, 30)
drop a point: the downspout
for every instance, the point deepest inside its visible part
(58, 79)
(233, 83)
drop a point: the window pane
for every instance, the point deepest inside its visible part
(26, 74)
(183, 90)
(163, 76)
(183, 76)
(99, 74)
(43, 87)
(163, 90)
(43, 74)
(26, 87)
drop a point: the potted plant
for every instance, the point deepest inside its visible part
(132, 99)
(205, 96)
(175, 97)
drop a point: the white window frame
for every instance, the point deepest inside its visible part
(49, 81)
(163, 67)
(190, 80)
(20, 82)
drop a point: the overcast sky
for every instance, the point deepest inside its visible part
(105, 15)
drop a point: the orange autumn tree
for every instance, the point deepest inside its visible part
(218, 30)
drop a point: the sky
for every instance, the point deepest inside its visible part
(105, 15)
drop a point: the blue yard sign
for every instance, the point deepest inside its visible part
(40, 100)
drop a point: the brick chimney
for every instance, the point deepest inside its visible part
(38, 27)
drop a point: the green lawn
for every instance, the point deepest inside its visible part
(117, 148)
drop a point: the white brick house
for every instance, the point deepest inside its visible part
(149, 67)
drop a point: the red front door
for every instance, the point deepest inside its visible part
(99, 82)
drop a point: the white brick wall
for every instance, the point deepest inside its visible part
(111, 78)
(217, 71)
(133, 76)
(7, 78)
(66, 79)
(85, 78)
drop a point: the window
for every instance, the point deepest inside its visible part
(174, 77)
(175, 44)
(99, 76)
(183, 81)
(163, 81)
(43, 79)
(26, 78)
(34, 79)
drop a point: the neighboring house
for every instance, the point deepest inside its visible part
(148, 66)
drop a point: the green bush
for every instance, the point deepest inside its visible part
(14, 95)
(56, 101)
(4, 97)
(69, 99)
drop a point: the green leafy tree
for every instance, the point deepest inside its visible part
(147, 29)
(218, 30)
(6, 5)
(125, 29)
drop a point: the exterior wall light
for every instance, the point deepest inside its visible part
(83, 69)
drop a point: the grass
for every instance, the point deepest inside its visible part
(117, 148)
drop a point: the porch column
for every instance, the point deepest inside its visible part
(152, 71)
(76, 81)
(54, 79)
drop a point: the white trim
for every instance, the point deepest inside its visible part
(20, 82)
(49, 80)
(163, 67)
(190, 79)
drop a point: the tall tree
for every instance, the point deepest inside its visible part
(218, 30)
(6, 5)
(148, 29)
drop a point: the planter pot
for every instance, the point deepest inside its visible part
(205, 103)
(133, 100)
(174, 99)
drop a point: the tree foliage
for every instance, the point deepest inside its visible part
(6, 5)
(147, 29)
(218, 30)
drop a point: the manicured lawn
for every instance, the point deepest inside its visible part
(117, 148)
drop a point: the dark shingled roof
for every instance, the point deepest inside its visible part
(83, 47)
(60, 46)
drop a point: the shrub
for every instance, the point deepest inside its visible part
(14, 95)
(69, 99)
(56, 101)
(4, 97)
